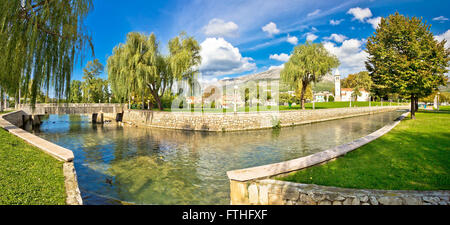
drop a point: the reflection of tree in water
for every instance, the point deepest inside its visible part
(75, 123)
(143, 174)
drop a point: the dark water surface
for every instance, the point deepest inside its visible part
(158, 166)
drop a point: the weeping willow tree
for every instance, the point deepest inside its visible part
(309, 63)
(138, 67)
(39, 42)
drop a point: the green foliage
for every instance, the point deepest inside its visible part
(138, 67)
(358, 80)
(94, 89)
(405, 58)
(308, 63)
(75, 91)
(39, 41)
(331, 98)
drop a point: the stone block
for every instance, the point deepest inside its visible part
(263, 195)
(325, 202)
(305, 199)
(373, 200)
(275, 199)
(253, 196)
(412, 201)
(388, 200)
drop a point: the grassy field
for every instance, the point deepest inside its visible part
(28, 176)
(415, 155)
(308, 106)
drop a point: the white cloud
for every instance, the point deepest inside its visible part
(313, 29)
(375, 22)
(271, 28)
(336, 22)
(336, 37)
(219, 57)
(276, 67)
(315, 13)
(440, 19)
(219, 28)
(311, 37)
(350, 54)
(360, 14)
(292, 39)
(444, 36)
(283, 57)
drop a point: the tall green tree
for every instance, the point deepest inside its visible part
(405, 58)
(92, 86)
(138, 66)
(309, 63)
(75, 91)
(39, 42)
(357, 82)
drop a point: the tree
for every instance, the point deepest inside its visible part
(92, 86)
(357, 82)
(75, 91)
(308, 63)
(405, 58)
(39, 41)
(138, 66)
(361, 80)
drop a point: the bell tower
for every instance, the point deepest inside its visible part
(337, 86)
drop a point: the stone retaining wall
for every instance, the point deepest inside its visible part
(243, 121)
(273, 192)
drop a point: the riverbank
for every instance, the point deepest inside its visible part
(413, 156)
(28, 176)
(221, 122)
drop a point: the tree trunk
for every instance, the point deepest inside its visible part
(416, 102)
(413, 108)
(1, 102)
(302, 96)
(158, 102)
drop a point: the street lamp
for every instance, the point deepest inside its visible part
(235, 100)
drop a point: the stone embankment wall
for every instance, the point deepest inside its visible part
(243, 121)
(273, 192)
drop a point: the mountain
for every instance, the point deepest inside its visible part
(327, 83)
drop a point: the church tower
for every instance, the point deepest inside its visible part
(337, 86)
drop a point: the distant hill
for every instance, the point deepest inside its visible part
(327, 83)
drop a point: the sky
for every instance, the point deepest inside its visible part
(241, 37)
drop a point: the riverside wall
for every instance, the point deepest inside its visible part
(244, 120)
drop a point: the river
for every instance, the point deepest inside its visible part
(159, 166)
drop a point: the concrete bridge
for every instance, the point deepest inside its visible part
(96, 110)
(72, 108)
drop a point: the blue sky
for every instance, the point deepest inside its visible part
(247, 36)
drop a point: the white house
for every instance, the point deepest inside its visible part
(346, 94)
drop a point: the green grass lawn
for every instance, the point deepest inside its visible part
(415, 155)
(318, 105)
(28, 176)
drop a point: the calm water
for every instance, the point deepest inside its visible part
(157, 166)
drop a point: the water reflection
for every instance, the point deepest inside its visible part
(157, 166)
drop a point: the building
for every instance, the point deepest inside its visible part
(346, 95)
(322, 96)
(337, 86)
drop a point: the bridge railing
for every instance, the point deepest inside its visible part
(72, 108)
